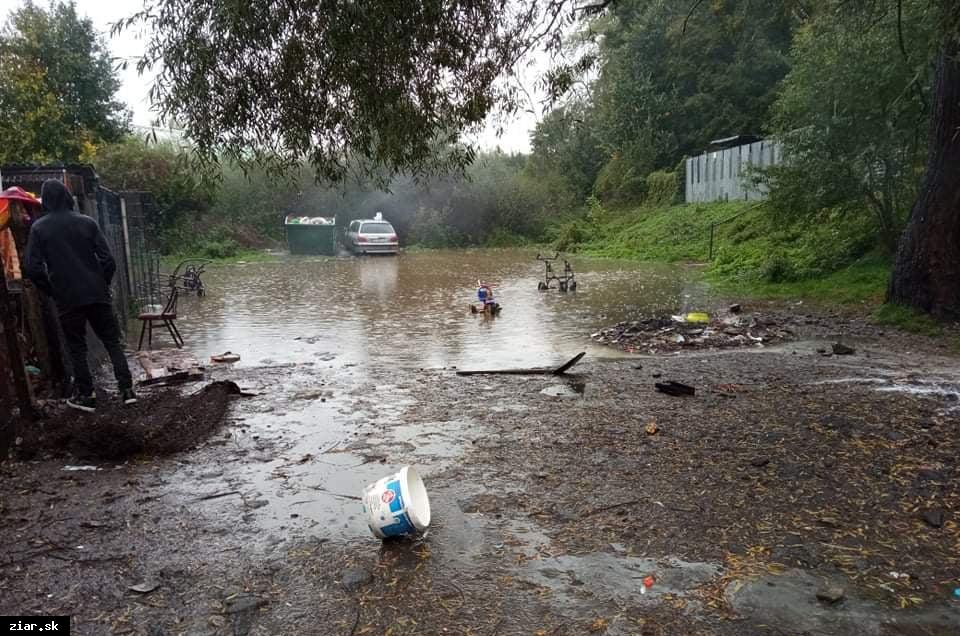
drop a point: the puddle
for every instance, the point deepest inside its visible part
(789, 602)
(581, 582)
(567, 390)
(938, 388)
(431, 440)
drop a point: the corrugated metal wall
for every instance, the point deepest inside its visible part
(719, 175)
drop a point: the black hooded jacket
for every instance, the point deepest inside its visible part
(67, 254)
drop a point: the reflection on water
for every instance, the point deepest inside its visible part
(413, 310)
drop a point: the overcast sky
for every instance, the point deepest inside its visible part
(134, 87)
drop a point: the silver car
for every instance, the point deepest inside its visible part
(370, 236)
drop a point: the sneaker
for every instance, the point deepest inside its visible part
(85, 403)
(128, 396)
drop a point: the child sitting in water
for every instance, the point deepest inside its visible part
(485, 296)
(484, 293)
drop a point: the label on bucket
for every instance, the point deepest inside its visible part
(385, 509)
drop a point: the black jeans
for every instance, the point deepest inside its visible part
(104, 323)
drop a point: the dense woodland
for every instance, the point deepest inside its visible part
(636, 85)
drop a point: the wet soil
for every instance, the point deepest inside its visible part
(790, 471)
(160, 423)
(787, 471)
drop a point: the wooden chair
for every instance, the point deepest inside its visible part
(167, 316)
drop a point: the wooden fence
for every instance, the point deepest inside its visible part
(32, 356)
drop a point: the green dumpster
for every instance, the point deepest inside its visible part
(311, 235)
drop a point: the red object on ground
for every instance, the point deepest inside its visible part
(648, 582)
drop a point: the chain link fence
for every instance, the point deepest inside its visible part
(126, 221)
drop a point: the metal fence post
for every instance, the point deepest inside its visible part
(126, 244)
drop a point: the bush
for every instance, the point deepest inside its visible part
(503, 237)
(619, 182)
(569, 235)
(777, 269)
(661, 188)
(227, 248)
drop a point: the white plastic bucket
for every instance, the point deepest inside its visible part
(397, 505)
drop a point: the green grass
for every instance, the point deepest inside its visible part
(908, 319)
(862, 283)
(756, 253)
(247, 255)
(670, 234)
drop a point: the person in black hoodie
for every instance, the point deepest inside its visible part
(68, 258)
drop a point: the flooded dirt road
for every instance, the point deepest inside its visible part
(787, 475)
(412, 310)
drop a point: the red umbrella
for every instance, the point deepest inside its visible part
(19, 194)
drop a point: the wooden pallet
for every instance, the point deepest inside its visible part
(168, 366)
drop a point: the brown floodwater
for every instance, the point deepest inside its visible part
(413, 309)
(327, 344)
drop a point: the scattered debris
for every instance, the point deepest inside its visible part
(831, 595)
(217, 495)
(599, 625)
(842, 349)
(735, 308)
(930, 474)
(675, 388)
(934, 518)
(694, 331)
(243, 603)
(227, 357)
(145, 587)
(79, 468)
(180, 377)
(651, 428)
(564, 390)
(353, 579)
(168, 366)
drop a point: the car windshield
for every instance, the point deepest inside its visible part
(376, 228)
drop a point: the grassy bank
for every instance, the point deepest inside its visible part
(240, 255)
(748, 249)
(830, 259)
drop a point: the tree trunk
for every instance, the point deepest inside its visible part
(926, 274)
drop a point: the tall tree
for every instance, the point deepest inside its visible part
(31, 117)
(852, 111)
(59, 85)
(380, 85)
(565, 144)
(926, 274)
(671, 80)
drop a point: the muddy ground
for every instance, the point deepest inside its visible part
(789, 474)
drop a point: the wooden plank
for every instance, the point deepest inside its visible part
(563, 368)
(163, 363)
